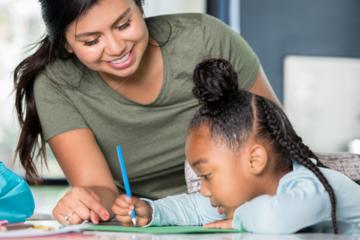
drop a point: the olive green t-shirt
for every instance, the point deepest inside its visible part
(70, 96)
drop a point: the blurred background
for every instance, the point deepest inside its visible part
(309, 49)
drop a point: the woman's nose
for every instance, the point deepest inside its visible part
(115, 46)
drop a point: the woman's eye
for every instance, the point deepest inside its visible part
(91, 43)
(124, 26)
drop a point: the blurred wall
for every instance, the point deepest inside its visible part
(277, 28)
(157, 7)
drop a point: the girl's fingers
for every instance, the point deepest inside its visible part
(123, 201)
(124, 220)
(120, 211)
(142, 221)
(224, 224)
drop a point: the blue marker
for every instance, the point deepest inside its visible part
(125, 179)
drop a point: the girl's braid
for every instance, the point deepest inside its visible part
(292, 145)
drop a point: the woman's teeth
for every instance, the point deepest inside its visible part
(121, 60)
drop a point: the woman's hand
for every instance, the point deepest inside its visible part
(123, 207)
(224, 224)
(78, 205)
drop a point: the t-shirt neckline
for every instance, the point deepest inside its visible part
(123, 99)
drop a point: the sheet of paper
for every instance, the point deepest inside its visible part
(159, 230)
(37, 232)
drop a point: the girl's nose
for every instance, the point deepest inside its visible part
(204, 190)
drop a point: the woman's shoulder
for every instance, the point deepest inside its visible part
(181, 21)
(178, 18)
(62, 71)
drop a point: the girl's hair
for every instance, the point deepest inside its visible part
(233, 114)
(57, 15)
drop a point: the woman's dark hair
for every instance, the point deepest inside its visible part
(57, 15)
(233, 114)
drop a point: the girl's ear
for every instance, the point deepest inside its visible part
(258, 159)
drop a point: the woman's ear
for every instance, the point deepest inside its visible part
(68, 48)
(258, 159)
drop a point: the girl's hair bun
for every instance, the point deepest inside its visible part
(215, 83)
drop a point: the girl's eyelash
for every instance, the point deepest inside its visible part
(206, 176)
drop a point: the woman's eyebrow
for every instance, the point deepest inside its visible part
(118, 19)
(122, 16)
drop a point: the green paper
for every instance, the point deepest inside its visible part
(160, 230)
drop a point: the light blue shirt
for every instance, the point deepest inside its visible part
(300, 203)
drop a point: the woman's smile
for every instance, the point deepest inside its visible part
(123, 62)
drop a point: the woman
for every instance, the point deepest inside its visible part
(104, 75)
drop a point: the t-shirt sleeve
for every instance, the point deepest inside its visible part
(56, 111)
(299, 203)
(183, 210)
(221, 41)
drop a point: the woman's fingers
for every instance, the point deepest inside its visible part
(78, 205)
(95, 196)
(75, 219)
(60, 215)
(94, 217)
(66, 217)
(86, 198)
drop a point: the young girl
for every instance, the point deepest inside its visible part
(254, 169)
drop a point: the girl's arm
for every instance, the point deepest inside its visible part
(298, 205)
(93, 189)
(185, 209)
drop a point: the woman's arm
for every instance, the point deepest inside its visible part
(263, 88)
(93, 189)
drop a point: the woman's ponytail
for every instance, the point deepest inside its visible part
(31, 142)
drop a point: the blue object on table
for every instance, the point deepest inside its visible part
(16, 199)
(125, 179)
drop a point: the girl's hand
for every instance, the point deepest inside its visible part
(224, 224)
(78, 205)
(123, 206)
